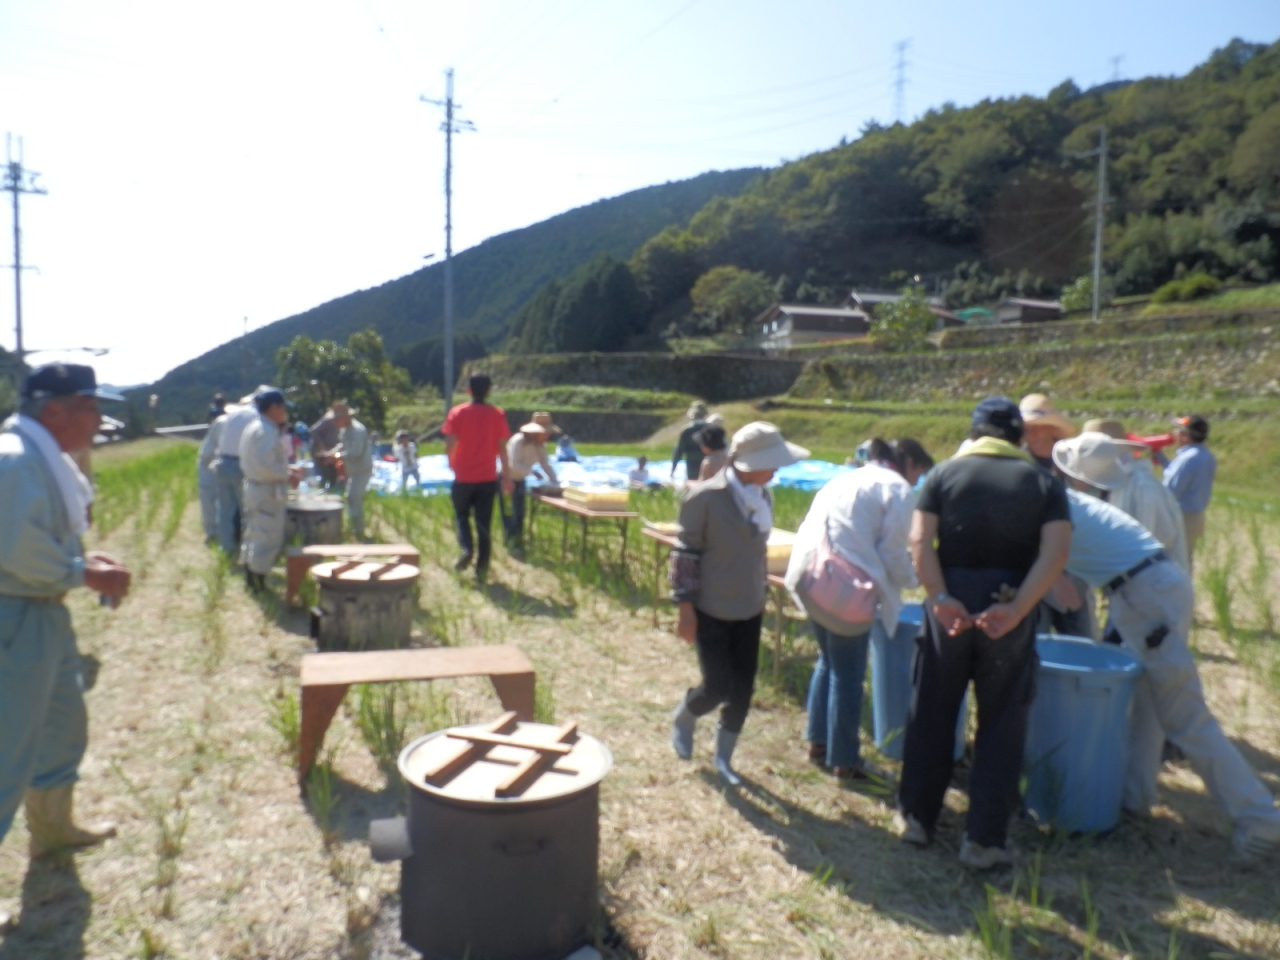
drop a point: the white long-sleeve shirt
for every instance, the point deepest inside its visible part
(357, 451)
(1154, 506)
(262, 458)
(523, 455)
(234, 422)
(866, 513)
(209, 447)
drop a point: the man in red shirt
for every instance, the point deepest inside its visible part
(475, 440)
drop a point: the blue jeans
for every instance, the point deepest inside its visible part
(42, 713)
(835, 694)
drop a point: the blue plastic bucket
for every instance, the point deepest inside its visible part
(891, 659)
(1078, 733)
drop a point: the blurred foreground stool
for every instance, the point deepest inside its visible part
(298, 560)
(325, 678)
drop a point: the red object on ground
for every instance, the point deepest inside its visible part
(1156, 443)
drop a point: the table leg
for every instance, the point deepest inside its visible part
(779, 625)
(657, 578)
(564, 537)
(583, 552)
(317, 708)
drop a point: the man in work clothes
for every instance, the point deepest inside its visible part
(475, 441)
(356, 450)
(1190, 477)
(208, 480)
(226, 469)
(267, 478)
(324, 438)
(1151, 602)
(1002, 530)
(526, 452)
(686, 447)
(43, 723)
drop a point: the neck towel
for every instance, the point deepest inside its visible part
(75, 489)
(753, 500)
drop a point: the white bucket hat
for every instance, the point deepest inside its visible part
(1096, 459)
(759, 446)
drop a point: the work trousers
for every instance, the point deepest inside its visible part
(513, 522)
(1003, 674)
(44, 728)
(208, 485)
(728, 653)
(230, 479)
(835, 694)
(1193, 524)
(477, 499)
(1168, 701)
(264, 522)
(357, 484)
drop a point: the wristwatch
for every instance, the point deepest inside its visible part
(939, 597)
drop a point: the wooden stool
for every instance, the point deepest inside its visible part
(298, 560)
(326, 676)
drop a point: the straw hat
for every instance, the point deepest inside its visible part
(535, 430)
(759, 446)
(1095, 458)
(1037, 411)
(543, 419)
(1112, 428)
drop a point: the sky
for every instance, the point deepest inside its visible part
(217, 167)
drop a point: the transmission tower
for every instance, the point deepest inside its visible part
(17, 181)
(450, 126)
(900, 79)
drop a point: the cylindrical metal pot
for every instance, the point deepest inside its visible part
(364, 606)
(498, 879)
(314, 519)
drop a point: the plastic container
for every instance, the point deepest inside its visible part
(779, 550)
(1078, 733)
(891, 659)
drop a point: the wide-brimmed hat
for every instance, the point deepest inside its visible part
(64, 380)
(1037, 411)
(1095, 458)
(759, 446)
(535, 429)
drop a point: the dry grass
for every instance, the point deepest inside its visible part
(794, 866)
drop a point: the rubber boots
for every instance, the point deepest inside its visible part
(50, 824)
(725, 743)
(6, 921)
(683, 723)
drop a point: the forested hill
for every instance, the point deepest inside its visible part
(977, 202)
(492, 282)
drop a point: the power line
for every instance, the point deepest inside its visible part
(17, 181)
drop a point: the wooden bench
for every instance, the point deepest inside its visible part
(298, 560)
(325, 678)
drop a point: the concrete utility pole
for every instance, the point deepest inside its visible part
(1099, 209)
(450, 126)
(900, 81)
(18, 181)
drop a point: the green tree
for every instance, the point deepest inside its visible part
(315, 373)
(904, 324)
(596, 308)
(1078, 295)
(728, 298)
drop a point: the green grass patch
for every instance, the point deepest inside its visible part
(606, 399)
(1258, 298)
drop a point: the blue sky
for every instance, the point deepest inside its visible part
(253, 159)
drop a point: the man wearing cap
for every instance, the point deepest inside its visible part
(227, 472)
(207, 480)
(686, 447)
(267, 478)
(989, 535)
(475, 440)
(1189, 476)
(356, 450)
(526, 452)
(324, 440)
(718, 578)
(45, 498)
(1151, 602)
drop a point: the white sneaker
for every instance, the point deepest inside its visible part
(978, 857)
(909, 829)
(1256, 842)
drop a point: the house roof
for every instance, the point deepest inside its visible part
(874, 297)
(808, 316)
(1035, 304)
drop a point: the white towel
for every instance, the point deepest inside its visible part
(752, 500)
(76, 491)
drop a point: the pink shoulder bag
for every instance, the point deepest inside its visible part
(841, 590)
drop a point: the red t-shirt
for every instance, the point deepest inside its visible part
(480, 429)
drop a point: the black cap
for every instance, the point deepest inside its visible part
(1195, 425)
(999, 412)
(266, 399)
(64, 380)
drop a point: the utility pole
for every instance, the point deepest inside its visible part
(1099, 208)
(450, 126)
(18, 181)
(900, 82)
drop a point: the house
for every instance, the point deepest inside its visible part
(791, 324)
(1020, 310)
(868, 301)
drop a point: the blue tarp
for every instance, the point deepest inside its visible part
(436, 476)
